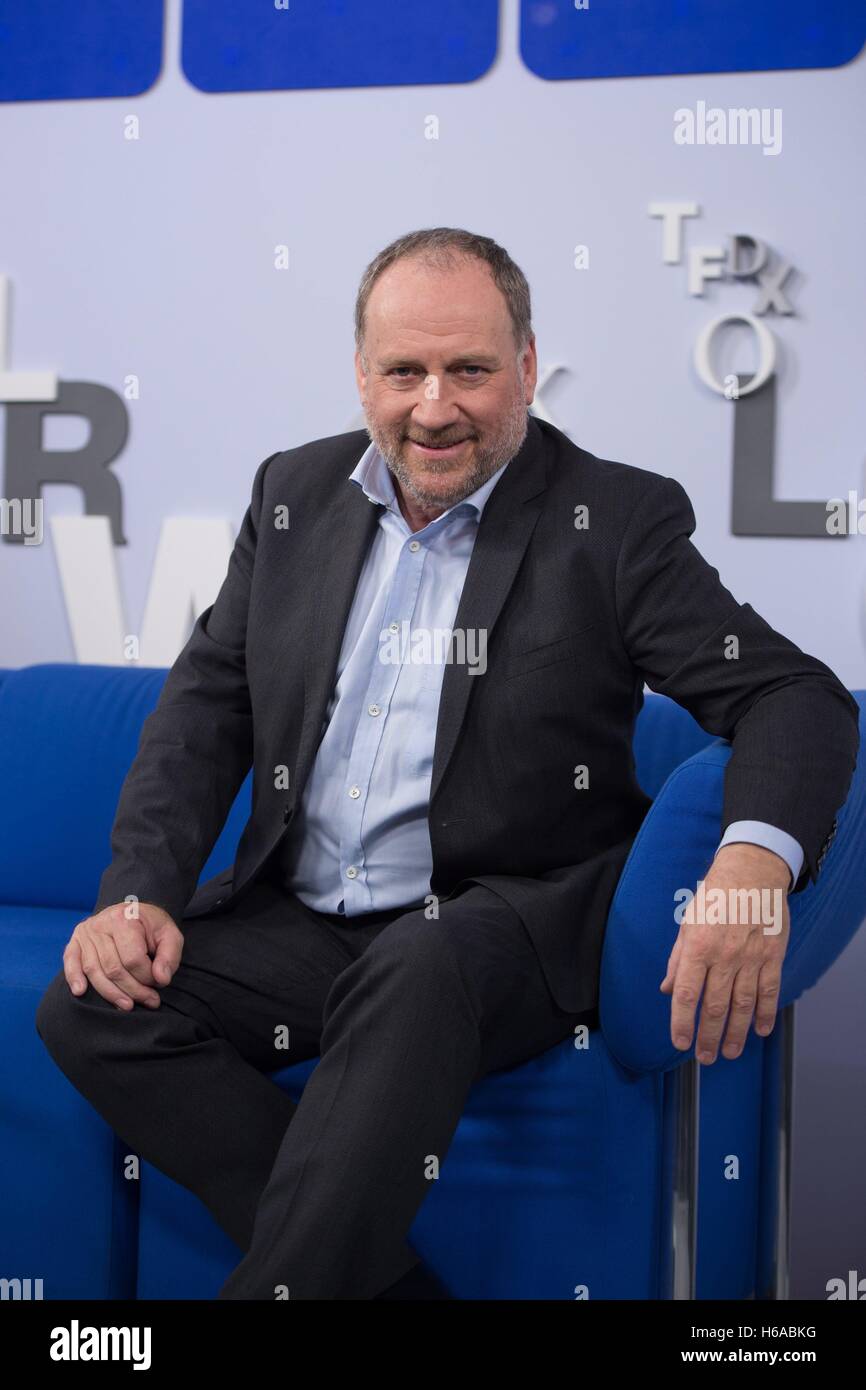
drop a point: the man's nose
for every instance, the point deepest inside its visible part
(437, 410)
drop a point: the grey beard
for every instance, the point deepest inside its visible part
(487, 462)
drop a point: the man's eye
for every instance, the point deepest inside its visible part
(403, 373)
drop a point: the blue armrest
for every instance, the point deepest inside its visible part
(673, 850)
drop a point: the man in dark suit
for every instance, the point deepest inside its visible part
(438, 826)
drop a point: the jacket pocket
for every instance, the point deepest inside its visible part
(546, 652)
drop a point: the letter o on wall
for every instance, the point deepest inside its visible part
(766, 352)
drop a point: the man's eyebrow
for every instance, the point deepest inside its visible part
(474, 359)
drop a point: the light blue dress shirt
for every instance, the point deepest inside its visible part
(360, 841)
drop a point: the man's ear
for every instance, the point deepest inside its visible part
(530, 370)
(360, 376)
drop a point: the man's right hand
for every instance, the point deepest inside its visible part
(113, 951)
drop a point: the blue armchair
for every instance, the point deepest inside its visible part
(591, 1171)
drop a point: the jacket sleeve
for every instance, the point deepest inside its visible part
(792, 724)
(195, 749)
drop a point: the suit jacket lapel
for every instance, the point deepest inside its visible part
(337, 551)
(507, 522)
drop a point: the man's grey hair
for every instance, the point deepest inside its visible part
(443, 248)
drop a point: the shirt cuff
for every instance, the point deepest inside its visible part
(758, 832)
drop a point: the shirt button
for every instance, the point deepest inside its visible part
(374, 709)
(393, 627)
(354, 792)
(351, 872)
(414, 545)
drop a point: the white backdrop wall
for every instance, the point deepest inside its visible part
(155, 257)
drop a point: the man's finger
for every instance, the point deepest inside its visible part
(113, 969)
(769, 982)
(684, 1001)
(169, 948)
(100, 981)
(714, 1010)
(75, 977)
(132, 949)
(743, 998)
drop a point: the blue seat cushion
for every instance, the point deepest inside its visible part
(69, 1215)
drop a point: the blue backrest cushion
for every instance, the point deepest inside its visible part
(665, 735)
(68, 734)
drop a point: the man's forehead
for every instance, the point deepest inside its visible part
(439, 295)
(407, 332)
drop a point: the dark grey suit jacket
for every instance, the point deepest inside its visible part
(577, 619)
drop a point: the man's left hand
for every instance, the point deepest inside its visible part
(737, 965)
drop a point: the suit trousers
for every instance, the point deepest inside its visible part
(405, 1014)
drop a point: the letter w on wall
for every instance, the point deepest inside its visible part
(191, 562)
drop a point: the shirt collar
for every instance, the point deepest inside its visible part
(371, 474)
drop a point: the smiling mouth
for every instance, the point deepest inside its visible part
(452, 444)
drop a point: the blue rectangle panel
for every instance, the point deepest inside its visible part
(644, 38)
(54, 50)
(250, 45)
